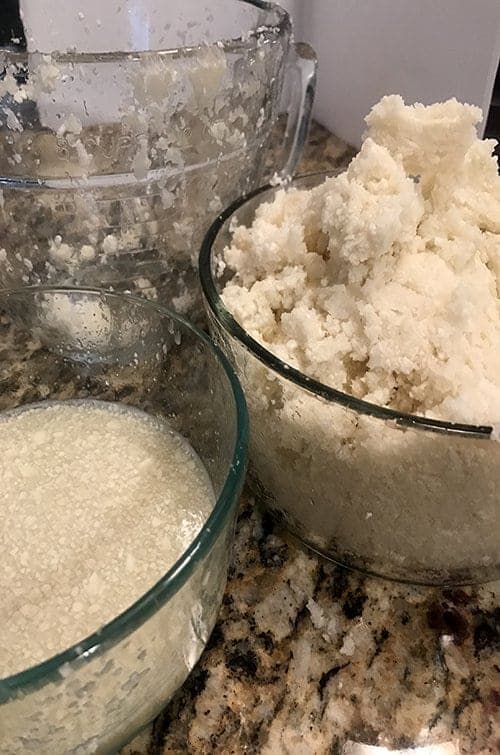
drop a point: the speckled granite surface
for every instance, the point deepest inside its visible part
(308, 658)
(324, 151)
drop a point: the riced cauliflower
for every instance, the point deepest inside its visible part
(384, 281)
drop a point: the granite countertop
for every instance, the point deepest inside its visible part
(309, 658)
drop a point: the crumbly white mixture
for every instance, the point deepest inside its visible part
(86, 321)
(384, 281)
(97, 502)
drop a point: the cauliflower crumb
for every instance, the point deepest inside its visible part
(72, 125)
(141, 162)
(60, 252)
(47, 74)
(110, 244)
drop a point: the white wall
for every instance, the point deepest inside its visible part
(290, 5)
(425, 50)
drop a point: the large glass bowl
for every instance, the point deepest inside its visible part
(123, 134)
(73, 344)
(397, 495)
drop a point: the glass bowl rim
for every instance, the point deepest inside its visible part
(227, 45)
(170, 583)
(287, 371)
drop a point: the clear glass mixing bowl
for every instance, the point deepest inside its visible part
(397, 495)
(123, 133)
(66, 344)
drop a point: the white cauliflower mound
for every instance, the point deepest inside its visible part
(384, 281)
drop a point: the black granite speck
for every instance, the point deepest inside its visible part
(241, 659)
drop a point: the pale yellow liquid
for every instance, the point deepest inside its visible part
(97, 502)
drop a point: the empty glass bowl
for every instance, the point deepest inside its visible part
(397, 495)
(59, 344)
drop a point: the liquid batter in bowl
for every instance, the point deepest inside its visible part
(98, 501)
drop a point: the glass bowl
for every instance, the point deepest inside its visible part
(395, 495)
(122, 136)
(74, 344)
